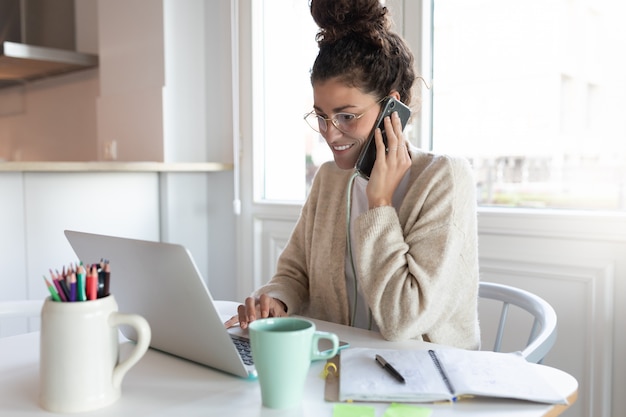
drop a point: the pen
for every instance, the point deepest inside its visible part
(382, 362)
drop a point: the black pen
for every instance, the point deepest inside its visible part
(382, 362)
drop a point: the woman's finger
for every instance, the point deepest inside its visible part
(232, 322)
(265, 303)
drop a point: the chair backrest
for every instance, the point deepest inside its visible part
(10, 311)
(543, 332)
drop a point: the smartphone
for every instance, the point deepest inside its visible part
(365, 162)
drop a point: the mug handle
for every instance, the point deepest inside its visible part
(144, 334)
(315, 352)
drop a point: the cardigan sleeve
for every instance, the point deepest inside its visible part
(310, 273)
(291, 281)
(418, 268)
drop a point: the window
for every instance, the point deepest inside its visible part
(532, 92)
(524, 89)
(283, 55)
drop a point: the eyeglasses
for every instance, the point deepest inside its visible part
(345, 122)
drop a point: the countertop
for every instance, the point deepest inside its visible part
(110, 166)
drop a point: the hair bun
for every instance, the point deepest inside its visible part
(339, 18)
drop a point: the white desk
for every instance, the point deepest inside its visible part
(163, 385)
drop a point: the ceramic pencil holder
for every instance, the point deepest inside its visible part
(79, 353)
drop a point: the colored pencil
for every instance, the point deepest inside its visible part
(53, 292)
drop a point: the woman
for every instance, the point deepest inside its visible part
(407, 265)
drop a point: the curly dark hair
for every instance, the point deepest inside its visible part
(357, 46)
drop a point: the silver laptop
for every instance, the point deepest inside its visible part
(161, 282)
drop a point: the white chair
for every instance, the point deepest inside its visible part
(543, 332)
(19, 309)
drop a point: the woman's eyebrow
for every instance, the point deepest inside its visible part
(336, 109)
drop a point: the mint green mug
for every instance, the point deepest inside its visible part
(282, 349)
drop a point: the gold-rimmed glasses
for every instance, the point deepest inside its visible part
(345, 122)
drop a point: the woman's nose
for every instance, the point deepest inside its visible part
(332, 132)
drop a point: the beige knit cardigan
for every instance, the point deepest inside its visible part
(417, 266)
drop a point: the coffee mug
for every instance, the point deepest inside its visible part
(79, 353)
(282, 350)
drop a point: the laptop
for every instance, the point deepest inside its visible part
(161, 282)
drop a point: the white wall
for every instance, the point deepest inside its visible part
(169, 206)
(39, 206)
(576, 262)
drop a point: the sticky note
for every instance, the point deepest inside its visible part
(353, 410)
(407, 410)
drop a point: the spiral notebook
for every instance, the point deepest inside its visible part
(440, 375)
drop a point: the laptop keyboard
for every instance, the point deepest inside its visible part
(243, 347)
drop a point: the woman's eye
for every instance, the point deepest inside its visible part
(345, 117)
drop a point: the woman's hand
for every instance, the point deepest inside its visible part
(391, 163)
(257, 308)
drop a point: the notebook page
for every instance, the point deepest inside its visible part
(494, 374)
(361, 378)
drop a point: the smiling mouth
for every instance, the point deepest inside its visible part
(342, 147)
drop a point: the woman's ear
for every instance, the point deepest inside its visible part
(395, 94)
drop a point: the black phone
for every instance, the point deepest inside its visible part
(365, 162)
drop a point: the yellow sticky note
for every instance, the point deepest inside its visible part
(406, 410)
(353, 410)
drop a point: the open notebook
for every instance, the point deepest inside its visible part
(441, 375)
